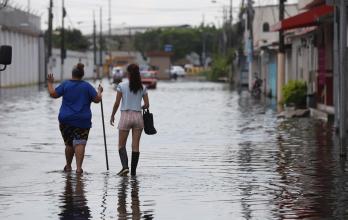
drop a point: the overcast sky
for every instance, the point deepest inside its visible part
(133, 12)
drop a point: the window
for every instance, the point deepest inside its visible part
(265, 27)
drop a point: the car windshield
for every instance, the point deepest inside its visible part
(147, 74)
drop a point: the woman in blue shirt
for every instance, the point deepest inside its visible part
(75, 113)
(131, 93)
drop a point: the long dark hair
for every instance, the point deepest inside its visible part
(78, 71)
(134, 78)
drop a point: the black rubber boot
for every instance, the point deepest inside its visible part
(134, 164)
(123, 157)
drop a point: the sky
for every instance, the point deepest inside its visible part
(133, 12)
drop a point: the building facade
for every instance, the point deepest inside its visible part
(262, 58)
(309, 52)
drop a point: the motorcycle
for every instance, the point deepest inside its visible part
(256, 89)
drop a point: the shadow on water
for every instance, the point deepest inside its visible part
(73, 199)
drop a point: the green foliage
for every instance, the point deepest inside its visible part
(294, 92)
(218, 69)
(74, 40)
(221, 65)
(184, 40)
(192, 39)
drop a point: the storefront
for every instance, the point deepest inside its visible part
(310, 35)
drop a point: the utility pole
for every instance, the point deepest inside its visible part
(101, 42)
(231, 12)
(281, 55)
(49, 33)
(94, 44)
(343, 78)
(224, 31)
(336, 69)
(250, 43)
(62, 43)
(49, 38)
(204, 48)
(94, 41)
(110, 41)
(109, 18)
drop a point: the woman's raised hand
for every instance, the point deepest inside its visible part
(50, 78)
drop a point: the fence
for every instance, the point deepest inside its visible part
(28, 64)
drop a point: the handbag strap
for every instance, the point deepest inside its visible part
(146, 111)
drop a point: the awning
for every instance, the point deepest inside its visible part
(305, 19)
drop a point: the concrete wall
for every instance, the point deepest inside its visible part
(15, 18)
(72, 58)
(27, 53)
(304, 59)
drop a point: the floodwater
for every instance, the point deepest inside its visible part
(218, 154)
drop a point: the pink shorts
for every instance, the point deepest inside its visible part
(131, 120)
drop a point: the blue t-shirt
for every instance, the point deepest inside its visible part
(76, 105)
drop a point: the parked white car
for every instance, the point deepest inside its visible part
(177, 71)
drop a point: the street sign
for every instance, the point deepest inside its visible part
(168, 48)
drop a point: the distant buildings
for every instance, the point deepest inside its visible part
(130, 31)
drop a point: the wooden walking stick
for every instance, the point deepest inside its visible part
(106, 149)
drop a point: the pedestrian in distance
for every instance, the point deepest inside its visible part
(75, 113)
(131, 93)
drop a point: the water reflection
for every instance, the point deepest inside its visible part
(123, 210)
(105, 195)
(310, 180)
(74, 200)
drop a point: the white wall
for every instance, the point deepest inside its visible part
(303, 60)
(72, 58)
(269, 14)
(26, 65)
(303, 3)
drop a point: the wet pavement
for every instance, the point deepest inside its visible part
(218, 154)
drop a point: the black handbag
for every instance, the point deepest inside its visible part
(149, 128)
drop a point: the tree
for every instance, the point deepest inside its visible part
(184, 40)
(74, 40)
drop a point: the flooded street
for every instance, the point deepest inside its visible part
(218, 154)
